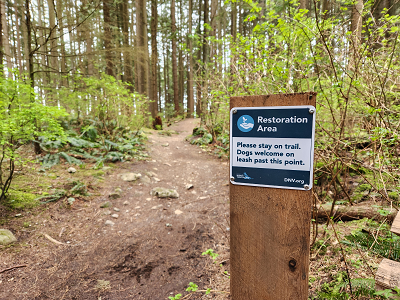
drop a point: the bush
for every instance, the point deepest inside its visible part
(22, 118)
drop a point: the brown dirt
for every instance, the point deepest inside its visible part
(141, 256)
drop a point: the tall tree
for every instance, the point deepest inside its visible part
(356, 21)
(18, 36)
(62, 42)
(5, 37)
(233, 20)
(108, 37)
(53, 39)
(174, 60)
(304, 4)
(128, 72)
(199, 68)
(154, 58)
(141, 53)
(205, 33)
(214, 5)
(28, 42)
(190, 63)
(43, 49)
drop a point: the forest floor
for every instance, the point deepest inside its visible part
(153, 247)
(153, 250)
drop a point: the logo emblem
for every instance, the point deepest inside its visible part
(243, 176)
(245, 123)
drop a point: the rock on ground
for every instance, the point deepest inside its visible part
(114, 195)
(164, 193)
(145, 179)
(130, 176)
(6, 237)
(71, 170)
(105, 204)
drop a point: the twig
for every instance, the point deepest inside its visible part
(14, 267)
(61, 232)
(53, 240)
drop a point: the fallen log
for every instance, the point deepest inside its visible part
(355, 212)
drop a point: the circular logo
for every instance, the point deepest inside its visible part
(245, 123)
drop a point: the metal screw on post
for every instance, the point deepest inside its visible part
(232, 178)
(234, 111)
(306, 187)
(311, 110)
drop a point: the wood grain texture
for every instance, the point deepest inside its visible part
(388, 274)
(396, 225)
(270, 229)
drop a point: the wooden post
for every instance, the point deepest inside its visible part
(270, 229)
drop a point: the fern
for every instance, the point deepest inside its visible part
(385, 247)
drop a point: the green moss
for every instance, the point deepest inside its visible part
(90, 172)
(21, 200)
(364, 187)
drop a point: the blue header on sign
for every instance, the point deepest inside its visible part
(274, 123)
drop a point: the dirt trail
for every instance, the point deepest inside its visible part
(151, 252)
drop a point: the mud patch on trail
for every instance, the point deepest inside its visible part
(135, 266)
(136, 271)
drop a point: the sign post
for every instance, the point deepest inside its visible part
(271, 144)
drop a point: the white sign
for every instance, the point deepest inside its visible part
(272, 146)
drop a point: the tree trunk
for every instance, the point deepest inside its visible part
(71, 36)
(128, 72)
(6, 40)
(199, 68)
(303, 4)
(213, 24)
(147, 83)
(174, 62)
(53, 41)
(108, 37)
(18, 36)
(166, 77)
(233, 20)
(206, 50)
(89, 50)
(240, 17)
(205, 34)
(180, 79)
(36, 145)
(190, 63)
(356, 21)
(28, 42)
(60, 10)
(44, 54)
(159, 89)
(154, 58)
(141, 58)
